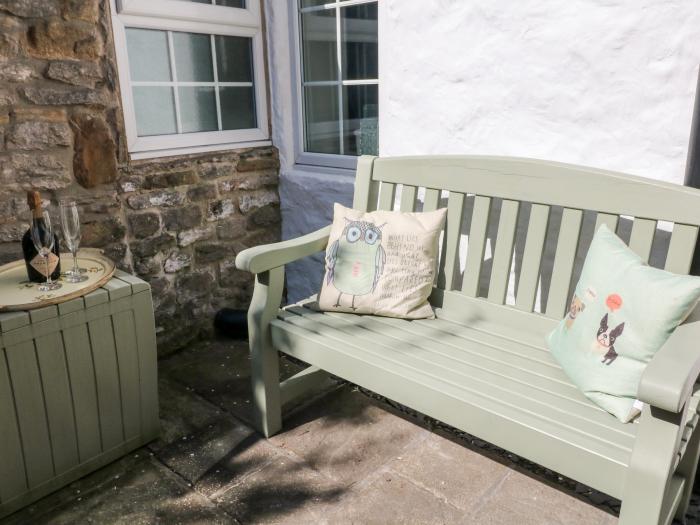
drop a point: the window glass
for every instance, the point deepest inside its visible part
(197, 109)
(204, 98)
(340, 101)
(155, 110)
(148, 55)
(234, 58)
(237, 107)
(320, 58)
(322, 114)
(358, 25)
(193, 57)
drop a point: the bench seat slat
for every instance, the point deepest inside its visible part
(403, 377)
(431, 199)
(476, 363)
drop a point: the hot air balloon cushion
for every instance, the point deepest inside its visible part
(621, 314)
(381, 262)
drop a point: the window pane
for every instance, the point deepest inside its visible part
(311, 3)
(360, 120)
(232, 3)
(319, 45)
(234, 58)
(193, 57)
(359, 41)
(148, 54)
(237, 107)
(197, 109)
(198, 1)
(322, 128)
(155, 110)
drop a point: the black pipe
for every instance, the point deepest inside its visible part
(231, 323)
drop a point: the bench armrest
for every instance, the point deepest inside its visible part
(668, 379)
(267, 256)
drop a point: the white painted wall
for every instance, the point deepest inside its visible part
(605, 83)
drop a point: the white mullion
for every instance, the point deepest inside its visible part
(356, 82)
(216, 83)
(154, 83)
(333, 4)
(339, 58)
(173, 71)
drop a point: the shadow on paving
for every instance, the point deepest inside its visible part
(347, 455)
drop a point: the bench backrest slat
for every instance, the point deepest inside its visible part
(524, 225)
(532, 258)
(681, 248)
(449, 265)
(408, 198)
(642, 237)
(503, 254)
(564, 257)
(478, 233)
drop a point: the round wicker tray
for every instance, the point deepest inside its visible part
(17, 293)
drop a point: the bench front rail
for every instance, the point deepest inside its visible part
(655, 481)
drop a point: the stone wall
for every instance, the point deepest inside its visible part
(177, 222)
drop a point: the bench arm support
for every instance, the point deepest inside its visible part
(268, 256)
(667, 381)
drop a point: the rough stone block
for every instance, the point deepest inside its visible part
(187, 237)
(144, 224)
(31, 8)
(258, 159)
(17, 72)
(231, 229)
(156, 199)
(43, 114)
(194, 285)
(150, 247)
(170, 179)
(75, 72)
(95, 159)
(62, 96)
(176, 262)
(36, 135)
(99, 233)
(250, 201)
(220, 209)
(182, 218)
(42, 171)
(55, 38)
(85, 10)
(202, 192)
(12, 231)
(264, 216)
(209, 252)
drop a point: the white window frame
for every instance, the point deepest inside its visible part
(305, 158)
(190, 17)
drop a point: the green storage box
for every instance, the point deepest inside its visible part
(78, 388)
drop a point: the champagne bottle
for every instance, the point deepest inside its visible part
(36, 264)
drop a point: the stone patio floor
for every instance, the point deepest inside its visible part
(343, 457)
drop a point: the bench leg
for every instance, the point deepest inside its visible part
(687, 469)
(650, 470)
(267, 295)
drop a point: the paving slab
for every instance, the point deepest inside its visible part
(520, 498)
(284, 491)
(346, 436)
(452, 472)
(219, 371)
(391, 498)
(147, 493)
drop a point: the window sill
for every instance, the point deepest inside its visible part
(171, 152)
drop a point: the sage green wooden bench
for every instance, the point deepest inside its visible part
(482, 365)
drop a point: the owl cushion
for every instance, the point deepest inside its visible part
(621, 314)
(381, 263)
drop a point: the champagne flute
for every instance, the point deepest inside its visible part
(70, 223)
(42, 236)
